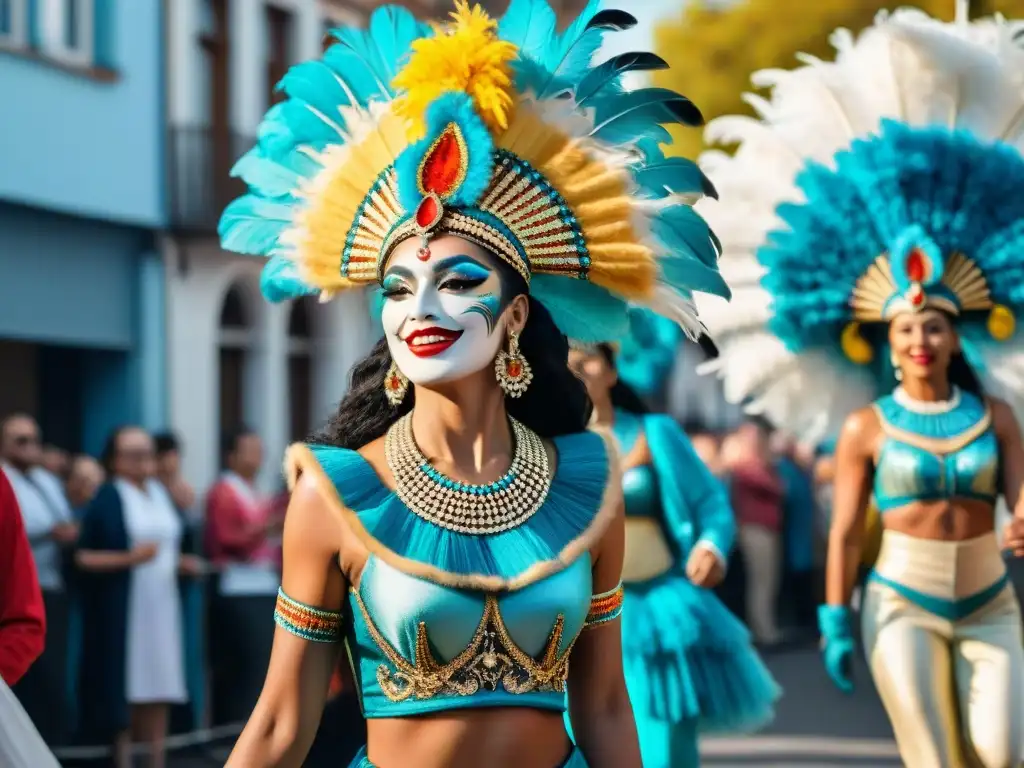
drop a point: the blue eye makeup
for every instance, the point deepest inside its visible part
(393, 285)
(463, 270)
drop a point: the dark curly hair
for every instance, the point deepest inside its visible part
(556, 403)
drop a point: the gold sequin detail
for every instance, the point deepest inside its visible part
(491, 659)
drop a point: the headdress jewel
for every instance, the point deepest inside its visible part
(500, 133)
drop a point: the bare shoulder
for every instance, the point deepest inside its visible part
(1003, 418)
(861, 429)
(310, 520)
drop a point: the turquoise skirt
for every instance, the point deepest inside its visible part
(686, 657)
(575, 760)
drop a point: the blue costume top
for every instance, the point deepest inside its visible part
(931, 456)
(443, 620)
(676, 488)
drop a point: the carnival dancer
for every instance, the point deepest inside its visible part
(501, 193)
(879, 196)
(689, 664)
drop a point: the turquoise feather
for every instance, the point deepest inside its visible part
(673, 175)
(582, 310)
(252, 225)
(264, 176)
(610, 73)
(279, 281)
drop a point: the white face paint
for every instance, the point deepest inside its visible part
(443, 317)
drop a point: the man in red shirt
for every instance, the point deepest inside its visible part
(22, 618)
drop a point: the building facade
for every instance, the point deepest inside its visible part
(81, 198)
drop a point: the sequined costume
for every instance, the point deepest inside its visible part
(506, 135)
(884, 183)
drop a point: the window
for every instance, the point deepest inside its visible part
(67, 29)
(13, 23)
(279, 43)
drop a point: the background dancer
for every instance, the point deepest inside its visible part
(896, 172)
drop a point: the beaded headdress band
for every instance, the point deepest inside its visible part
(501, 133)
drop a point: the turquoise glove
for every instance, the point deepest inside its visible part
(837, 645)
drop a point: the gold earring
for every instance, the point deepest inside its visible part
(511, 369)
(396, 385)
(897, 371)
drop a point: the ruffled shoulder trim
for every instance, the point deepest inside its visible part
(585, 496)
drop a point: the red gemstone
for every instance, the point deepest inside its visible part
(428, 212)
(515, 369)
(394, 383)
(917, 298)
(442, 168)
(916, 266)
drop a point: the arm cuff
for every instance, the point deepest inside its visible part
(305, 621)
(605, 607)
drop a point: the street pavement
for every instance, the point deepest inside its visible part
(816, 725)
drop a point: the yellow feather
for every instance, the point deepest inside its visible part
(598, 195)
(466, 56)
(333, 199)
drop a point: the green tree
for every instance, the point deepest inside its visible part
(713, 51)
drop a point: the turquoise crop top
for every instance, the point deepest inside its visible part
(442, 620)
(640, 483)
(641, 493)
(931, 456)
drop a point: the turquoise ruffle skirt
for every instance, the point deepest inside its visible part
(686, 657)
(575, 760)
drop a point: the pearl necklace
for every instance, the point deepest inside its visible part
(927, 407)
(463, 507)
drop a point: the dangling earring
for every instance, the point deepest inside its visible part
(395, 385)
(897, 371)
(511, 369)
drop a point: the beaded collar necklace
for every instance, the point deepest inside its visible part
(463, 507)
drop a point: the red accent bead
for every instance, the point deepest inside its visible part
(514, 368)
(427, 213)
(916, 266)
(394, 383)
(917, 297)
(443, 166)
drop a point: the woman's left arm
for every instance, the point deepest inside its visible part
(599, 708)
(1011, 454)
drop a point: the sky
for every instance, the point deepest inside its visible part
(648, 13)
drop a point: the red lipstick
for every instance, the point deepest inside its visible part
(428, 342)
(923, 358)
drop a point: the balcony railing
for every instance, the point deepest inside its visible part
(199, 163)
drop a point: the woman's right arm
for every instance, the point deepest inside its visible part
(851, 493)
(284, 722)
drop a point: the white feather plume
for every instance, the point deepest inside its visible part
(907, 66)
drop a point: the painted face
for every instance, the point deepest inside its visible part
(443, 317)
(923, 343)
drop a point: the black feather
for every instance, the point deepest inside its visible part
(612, 20)
(608, 72)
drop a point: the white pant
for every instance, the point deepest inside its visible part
(762, 550)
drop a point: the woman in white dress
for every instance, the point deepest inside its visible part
(133, 665)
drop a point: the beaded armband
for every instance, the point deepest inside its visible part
(305, 621)
(605, 607)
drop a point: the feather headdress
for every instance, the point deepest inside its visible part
(502, 133)
(885, 181)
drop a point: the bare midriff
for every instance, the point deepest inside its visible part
(942, 519)
(499, 737)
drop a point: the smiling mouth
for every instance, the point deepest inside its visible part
(431, 341)
(923, 359)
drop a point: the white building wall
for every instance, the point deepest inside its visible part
(199, 273)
